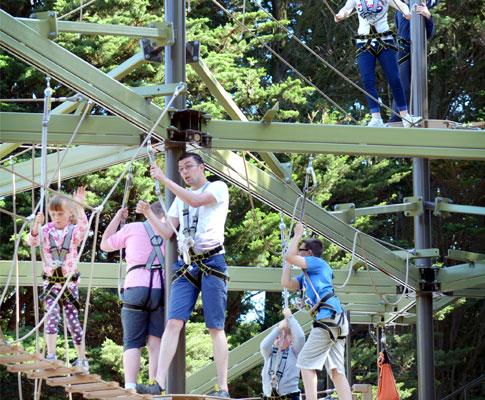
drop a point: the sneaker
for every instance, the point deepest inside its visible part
(51, 357)
(218, 392)
(410, 120)
(376, 122)
(150, 388)
(82, 363)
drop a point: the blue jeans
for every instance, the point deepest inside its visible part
(183, 294)
(405, 75)
(367, 68)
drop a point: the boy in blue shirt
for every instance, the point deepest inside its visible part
(325, 345)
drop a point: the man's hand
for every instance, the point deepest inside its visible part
(157, 173)
(287, 312)
(142, 208)
(299, 229)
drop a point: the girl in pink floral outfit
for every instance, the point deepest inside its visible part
(60, 240)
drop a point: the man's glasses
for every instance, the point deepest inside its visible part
(302, 249)
(187, 167)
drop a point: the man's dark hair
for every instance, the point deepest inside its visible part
(198, 159)
(315, 245)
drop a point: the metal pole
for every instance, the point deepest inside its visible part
(174, 73)
(422, 225)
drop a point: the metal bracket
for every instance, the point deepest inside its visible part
(418, 208)
(186, 127)
(152, 49)
(192, 52)
(345, 212)
(51, 17)
(269, 115)
(438, 203)
(418, 253)
(428, 281)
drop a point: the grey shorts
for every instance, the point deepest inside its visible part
(320, 350)
(139, 324)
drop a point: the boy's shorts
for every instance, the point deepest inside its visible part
(139, 324)
(319, 349)
(183, 294)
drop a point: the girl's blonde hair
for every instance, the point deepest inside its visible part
(60, 203)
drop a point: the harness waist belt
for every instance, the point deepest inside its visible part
(287, 396)
(374, 35)
(60, 279)
(138, 266)
(198, 259)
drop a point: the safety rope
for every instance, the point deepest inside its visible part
(124, 202)
(76, 10)
(302, 76)
(307, 189)
(45, 125)
(284, 245)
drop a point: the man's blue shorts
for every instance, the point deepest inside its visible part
(138, 324)
(183, 294)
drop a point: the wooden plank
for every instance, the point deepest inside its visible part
(91, 387)
(105, 394)
(34, 366)
(10, 349)
(72, 380)
(19, 358)
(46, 373)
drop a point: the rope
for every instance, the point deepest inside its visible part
(307, 80)
(351, 266)
(126, 193)
(282, 227)
(76, 10)
(325, 62)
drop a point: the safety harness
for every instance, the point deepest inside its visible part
(275, 376)
(322, 303)
(57, 276)
(378, 38)
(156, 241)
(196, 260)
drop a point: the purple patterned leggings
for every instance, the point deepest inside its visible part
(72, 316)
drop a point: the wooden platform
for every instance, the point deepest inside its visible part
(35, 366)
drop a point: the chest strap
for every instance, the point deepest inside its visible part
(198, 261)
(59, 255)
(189, 230)
(275, 376)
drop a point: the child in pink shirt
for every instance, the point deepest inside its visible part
(142, 313)
(60, 240)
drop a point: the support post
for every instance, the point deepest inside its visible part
(422, 223)
(174, 73)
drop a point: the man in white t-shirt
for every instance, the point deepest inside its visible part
(200, 214)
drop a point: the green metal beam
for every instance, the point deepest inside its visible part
(163, 34)
(365, 290)
(462, 276)
(347, 139)
(47, 56)
(155, 90)
(466, 256)
(6, 148)
(444, 206)
(81, 160)
(101, 130)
